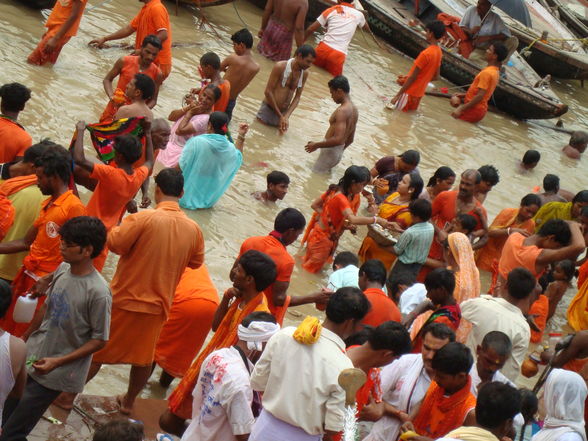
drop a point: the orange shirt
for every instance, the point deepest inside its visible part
(114, 189)
(14, 140)
(44, 252)
(131, 67)
(151, 19)
(61, 12)
(278, 253)
(516, 254)
(383, 308)
(147, 276)
(487, 79)
(221, 104)
(428, 61)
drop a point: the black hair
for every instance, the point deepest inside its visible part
(421, 208)
(56, 161)
(440, 331)
(489, 174)
(497, 403)
(14, 96)
(277, 177)
(531, 157)
(289, 218)
(374, 271)
(411, 157)
(119, 430)
(583, 211)
(215, 91)
(578, 138)
(219, 122)
(476, 174)
(394, 281)
(170, 181)
(339, 82)
(520, 283)
(353, 175)
(34, 152)
(243, 36)
(559, 229)
(129, 146)
(305, 50)
(391, 336)
(84, 231)
(146, 85)
(211, 59)
(467, 221)
(551, 183)
(260, 266)
(500, 50)
(441, 278)
(441, 174)
(437, 28)
(360, 337)
(345, 258)
(529, 404)
(581, 196)
(531, 199)
(453, 358)
(348, 303)
(258, 316)
(498, 341)
(153, 40)
(568, 267)
(5, 298)
(417, 184)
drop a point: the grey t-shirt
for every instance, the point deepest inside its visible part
(78, 310)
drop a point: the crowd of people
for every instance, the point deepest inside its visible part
(441, 356)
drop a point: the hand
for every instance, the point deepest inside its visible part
(372, 411)
(195, 91)
(311, 147)
(50, 45)
(323, 296)
(457, 112)
(46, 365)
(442, 236)
(98, 43)
(284, 124)
(81, 126)
(404, 417)
(394, 100)
(132, 206)
(407, 426)
(145, 202)
(232, 293)
(260, 33)
(394, 226)
(243, 129)
(146, 126)
(40, 287)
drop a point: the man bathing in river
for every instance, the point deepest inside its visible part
(282, 20)
(341, 129)
(284, 88)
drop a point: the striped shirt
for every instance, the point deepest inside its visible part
(414, 244)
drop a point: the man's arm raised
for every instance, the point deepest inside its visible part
(576, 246)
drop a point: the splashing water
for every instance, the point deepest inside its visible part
(350, 423)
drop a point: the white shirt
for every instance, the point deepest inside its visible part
(404, 385)
(487, 313)
(493, 24)
(412, 297)
(346, 276)
(300, 382)
(476, 380)
(222, 399)
(340, 26)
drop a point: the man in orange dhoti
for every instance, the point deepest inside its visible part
(188, 324)
(449, 402)
(62, 24)
(254, 273)
(42, 239)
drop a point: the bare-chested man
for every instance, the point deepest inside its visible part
(341, 130)
(239, 68)
(284, 88)
(140, 90)
(282, 20)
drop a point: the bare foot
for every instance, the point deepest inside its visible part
(65, 400)
(123, 405)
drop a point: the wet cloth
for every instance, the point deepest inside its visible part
(170, 156)
(276, 41)
(267, 115)
(14, 139)
(329, 59)
(328, 158)
(209, 163)
(407, 103)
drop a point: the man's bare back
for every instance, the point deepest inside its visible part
(134, 110)
(239, 71)
(286, 11)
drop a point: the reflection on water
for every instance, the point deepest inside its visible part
(72, 90)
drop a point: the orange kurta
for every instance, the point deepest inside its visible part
(491, 252)
(189, 322)
(487, 79)
(14, 140)
(271, 246)
(383, 308)
(515, 254)
(428, 62)
(152, 18)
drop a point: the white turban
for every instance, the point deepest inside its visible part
(257, 333)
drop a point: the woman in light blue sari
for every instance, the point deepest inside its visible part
(209, 163)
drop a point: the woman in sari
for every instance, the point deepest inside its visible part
(442, 180)
(509, 220)
(561, 210)
(336, 211)
(394, 209)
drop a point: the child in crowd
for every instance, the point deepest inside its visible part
(210, 69)
(345, 271)
(277, 187)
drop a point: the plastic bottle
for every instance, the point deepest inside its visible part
(554, 338)
(24, 310)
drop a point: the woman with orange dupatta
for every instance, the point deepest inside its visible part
(393, 209)
(337, 211)
(510, 220)
(254, 273)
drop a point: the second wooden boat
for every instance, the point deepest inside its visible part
(573, 14)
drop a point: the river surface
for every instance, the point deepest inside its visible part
(72, 90)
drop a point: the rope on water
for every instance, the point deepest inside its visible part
(234, 2)
(583, 41)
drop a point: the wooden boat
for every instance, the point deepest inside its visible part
(515, 94)
(39, 4)
(573, 14)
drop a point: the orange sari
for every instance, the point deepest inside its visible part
(578, 309)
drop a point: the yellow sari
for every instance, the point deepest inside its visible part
(553, 210)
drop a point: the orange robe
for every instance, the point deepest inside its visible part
(189, 322)
(322, 243)
(180, 401)
(439, 415)
(540, 308)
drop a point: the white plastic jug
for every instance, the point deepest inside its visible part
(24, 310)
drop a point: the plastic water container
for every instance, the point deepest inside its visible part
(554, 338)
(24, 310)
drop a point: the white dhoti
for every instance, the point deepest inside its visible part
(328, 158)
(269, 428)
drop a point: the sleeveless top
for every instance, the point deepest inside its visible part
(6, 375)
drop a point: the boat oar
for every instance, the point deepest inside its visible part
(351, 380)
